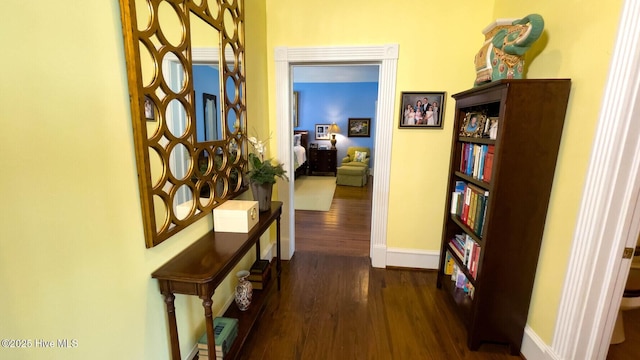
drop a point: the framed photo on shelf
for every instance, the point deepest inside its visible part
(322, 132)
(359, 127)
(421, 110)
(473, 125)
(149, 112)
(491, 128)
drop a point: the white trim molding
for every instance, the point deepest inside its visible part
(386, 56)
(412, 258)
(592, 287)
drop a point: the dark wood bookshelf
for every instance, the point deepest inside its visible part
(530, 120)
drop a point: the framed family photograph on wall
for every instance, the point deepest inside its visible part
(422, 110)
(359, 127)
(322, 132)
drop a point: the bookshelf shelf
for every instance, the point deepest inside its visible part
(470, 179)
(461, 265)
(504, 217)
(466, 229)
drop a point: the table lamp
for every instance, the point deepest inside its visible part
(333, 130)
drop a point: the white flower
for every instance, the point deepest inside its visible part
(259, 145)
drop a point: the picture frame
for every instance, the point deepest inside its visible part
(491, 127)
(149, 109)
(473, 125)
(294, 109)
(323, 147)
(210, 115)
(428, 118)
(359, 127)
(322, 132)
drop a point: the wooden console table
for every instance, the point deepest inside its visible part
(200, 268)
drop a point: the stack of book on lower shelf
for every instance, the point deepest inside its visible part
(260, 273)
(226, 331)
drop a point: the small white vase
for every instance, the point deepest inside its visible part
(244, 290)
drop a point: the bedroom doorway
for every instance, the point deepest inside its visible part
(386, 56)
(331, 218)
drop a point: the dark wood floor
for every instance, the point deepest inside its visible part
(334, 305)
(343, 230)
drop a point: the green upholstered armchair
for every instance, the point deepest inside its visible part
(350, 160)
(354, 172)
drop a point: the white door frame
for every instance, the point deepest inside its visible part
(387, 57)
(596, 273)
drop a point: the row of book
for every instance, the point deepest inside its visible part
(476, 160)
(468, 251)
(259, 274)
(225, 332)
(457, 275)
(469, 204)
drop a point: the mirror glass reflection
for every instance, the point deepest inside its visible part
(187, 84)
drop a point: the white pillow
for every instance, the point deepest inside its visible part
(296, 139)
(360, 156)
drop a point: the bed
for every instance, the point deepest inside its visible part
(300, 145)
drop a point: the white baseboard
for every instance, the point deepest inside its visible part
(411, 258)
(533, 348)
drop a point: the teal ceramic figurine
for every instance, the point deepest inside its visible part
(506, 41)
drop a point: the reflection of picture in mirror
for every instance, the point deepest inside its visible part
(149, 114)
(294, 110)
(210, 117)
(206, 82)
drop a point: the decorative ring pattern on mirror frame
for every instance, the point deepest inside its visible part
(181, 179)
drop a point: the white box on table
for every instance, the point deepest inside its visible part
(237, 216)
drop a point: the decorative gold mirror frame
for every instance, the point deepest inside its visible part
(213, 169)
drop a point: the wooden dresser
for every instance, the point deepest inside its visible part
(323, 161)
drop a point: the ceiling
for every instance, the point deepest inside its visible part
(335, 73)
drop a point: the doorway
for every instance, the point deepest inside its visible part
(387, 57)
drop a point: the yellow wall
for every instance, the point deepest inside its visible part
(436, 54)
(73, 263)
(72, 258)
(577, 47)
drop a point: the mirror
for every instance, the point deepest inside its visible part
(186, 84)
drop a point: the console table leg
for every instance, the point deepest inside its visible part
(173, 328)
(208, 314)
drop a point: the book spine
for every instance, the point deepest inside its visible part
(448, 263)
(488, 166)
(467, 202)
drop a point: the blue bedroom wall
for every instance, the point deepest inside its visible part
(325, 103)
(206, 79)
